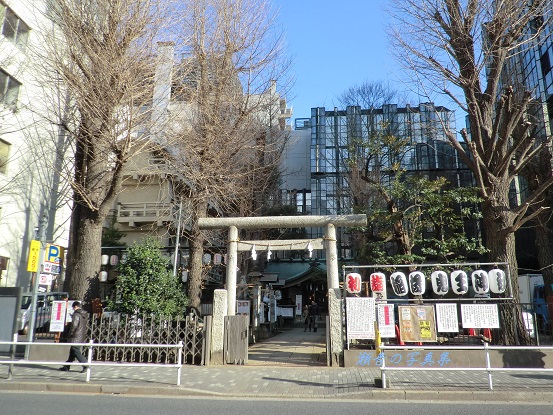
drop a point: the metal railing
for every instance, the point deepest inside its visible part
(486, 348)
(145, 212)
(90, 351)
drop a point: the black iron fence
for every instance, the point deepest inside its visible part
(146, 329)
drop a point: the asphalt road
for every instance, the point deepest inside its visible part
(25, 403)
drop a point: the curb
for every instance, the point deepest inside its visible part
(376, 394)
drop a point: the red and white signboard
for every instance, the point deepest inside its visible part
(45, 279)
(57, 317)
(386, 320)
(299, 304)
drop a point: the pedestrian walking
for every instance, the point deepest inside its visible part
(306, 318)
(313, 315)
(77, 334)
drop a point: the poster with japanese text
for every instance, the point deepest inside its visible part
(446, 318)
(417, 323)
(361, 316)
(479, 316)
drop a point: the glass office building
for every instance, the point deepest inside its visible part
(333, 137)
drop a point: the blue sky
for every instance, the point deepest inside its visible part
(335, 46)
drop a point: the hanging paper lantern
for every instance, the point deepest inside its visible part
(103, 276)
(480, 281)
(113, 260)
(497, 280)
(378, 282)
(206, 259)
(217, 259)
(459, 282)
(353, 283)
(105, 259)
(398, 281)
(417, 283)
(440, 282)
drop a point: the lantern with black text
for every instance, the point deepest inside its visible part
(398, 281)
(480, 281)
(417, 283)
(459, 282)
(353, 283)
(497, 280)
(378, 282)
(440, 282)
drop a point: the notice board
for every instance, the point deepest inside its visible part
(417, 323)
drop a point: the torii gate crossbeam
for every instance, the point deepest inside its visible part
(264, 222)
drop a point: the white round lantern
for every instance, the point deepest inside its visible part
(206, 259)
(417, 283)
(440, 282)
(378, 282)
(103, 276)
(353, 283)
(398, 281)
(480, 281)
(105, 259)
(498, 281)
(459, 282)
(113, 260)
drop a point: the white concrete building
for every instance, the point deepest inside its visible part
(33, 198)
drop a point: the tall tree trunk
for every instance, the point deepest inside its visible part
(83, 265)
(500, 240)
(196, 255)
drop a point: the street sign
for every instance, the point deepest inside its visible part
(45, 279)
(53, 254)
(50, 268)
(34, 250)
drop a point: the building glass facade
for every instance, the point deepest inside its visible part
(334, 134)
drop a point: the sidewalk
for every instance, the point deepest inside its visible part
(290, 365)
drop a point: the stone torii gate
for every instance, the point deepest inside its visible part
(328, 242)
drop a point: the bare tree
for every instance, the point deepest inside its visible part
(226, 141)
(371, 94)
(460, 48)
(101, 54)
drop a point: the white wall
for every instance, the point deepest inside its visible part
(29, 189)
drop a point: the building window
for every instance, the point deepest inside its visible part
(545, 63)
(13, 28)
(4, 156)
(9, 90)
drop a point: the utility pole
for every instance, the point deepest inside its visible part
(41, 238)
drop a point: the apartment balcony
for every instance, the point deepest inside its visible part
(133, 213)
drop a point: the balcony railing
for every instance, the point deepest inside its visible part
(144, 212)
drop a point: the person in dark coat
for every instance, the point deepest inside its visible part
(313, 315)
(77, 334)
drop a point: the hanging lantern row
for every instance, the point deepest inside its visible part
(483, 282)
(111, 260)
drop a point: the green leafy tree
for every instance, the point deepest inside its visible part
(111, 236)
(146, 285)
(417, 218)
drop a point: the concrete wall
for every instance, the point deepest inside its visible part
(451, 358)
